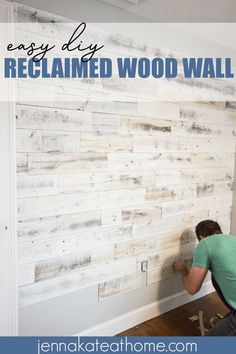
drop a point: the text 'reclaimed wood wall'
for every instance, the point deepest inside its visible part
(103, 186)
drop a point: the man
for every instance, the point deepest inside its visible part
(215, 252)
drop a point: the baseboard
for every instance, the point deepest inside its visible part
(145, 313)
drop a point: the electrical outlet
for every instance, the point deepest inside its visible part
(144, 266)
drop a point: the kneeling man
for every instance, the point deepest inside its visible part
(215, 252)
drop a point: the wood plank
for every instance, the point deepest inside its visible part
(195, 144)
(106, 123)
(56, 205)
(206, 160)
(32, 186)
(148, 213)
(60, 265)
(100, 181)
(47, 141)
(121, 198)
(173, 192)
(195, 204)
(38, 117)
(111, 217)
(161, 110)
(58, 225)
(28, 140)
(207, 189)
(132, 249)
(200, 113)
(145, 126)
(105, 143)
(66, 162)
(59, 141)
(184, 128)
(194, 175)
(119, 286)
(145, 161)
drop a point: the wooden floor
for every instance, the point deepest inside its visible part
(177, 323)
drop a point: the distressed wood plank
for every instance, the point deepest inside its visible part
(58, 266)
(28, 140)
(105, 143)
(141, 213)
(119, 285)
(207, 189)
(32, 186)
(105, 181)
(66, 162)
(121, 198)
(213, 160)
(172, 192)
(194, 175)
(161, 110)
(196, 144)
(195, 204)
(59, 141)
(145, 126)
(58, 225)
(38, 117)
(106, 123)
(200, 113)
(56, 205)
(47, 141)
(199, 129)
(111, 217)
(145, 161)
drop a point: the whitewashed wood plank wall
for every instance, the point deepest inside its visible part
(103, 186)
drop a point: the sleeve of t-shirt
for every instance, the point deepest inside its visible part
(201, 256)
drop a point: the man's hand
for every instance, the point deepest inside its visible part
(180, 266)
(193, 278)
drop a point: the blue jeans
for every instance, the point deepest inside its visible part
(226, 326)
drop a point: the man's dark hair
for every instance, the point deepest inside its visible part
(207, 228)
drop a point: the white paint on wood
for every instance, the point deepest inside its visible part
(105, 142)
(30, 117)
(145, 161)
(65, 163)
(119, 285)
(58, 225)
(100, 181)
(56, 205)
(36, 186)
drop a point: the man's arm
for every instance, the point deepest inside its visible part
(193, 278)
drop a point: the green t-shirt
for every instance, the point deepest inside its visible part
(218, 254)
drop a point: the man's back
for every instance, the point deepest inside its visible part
(218, 254)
